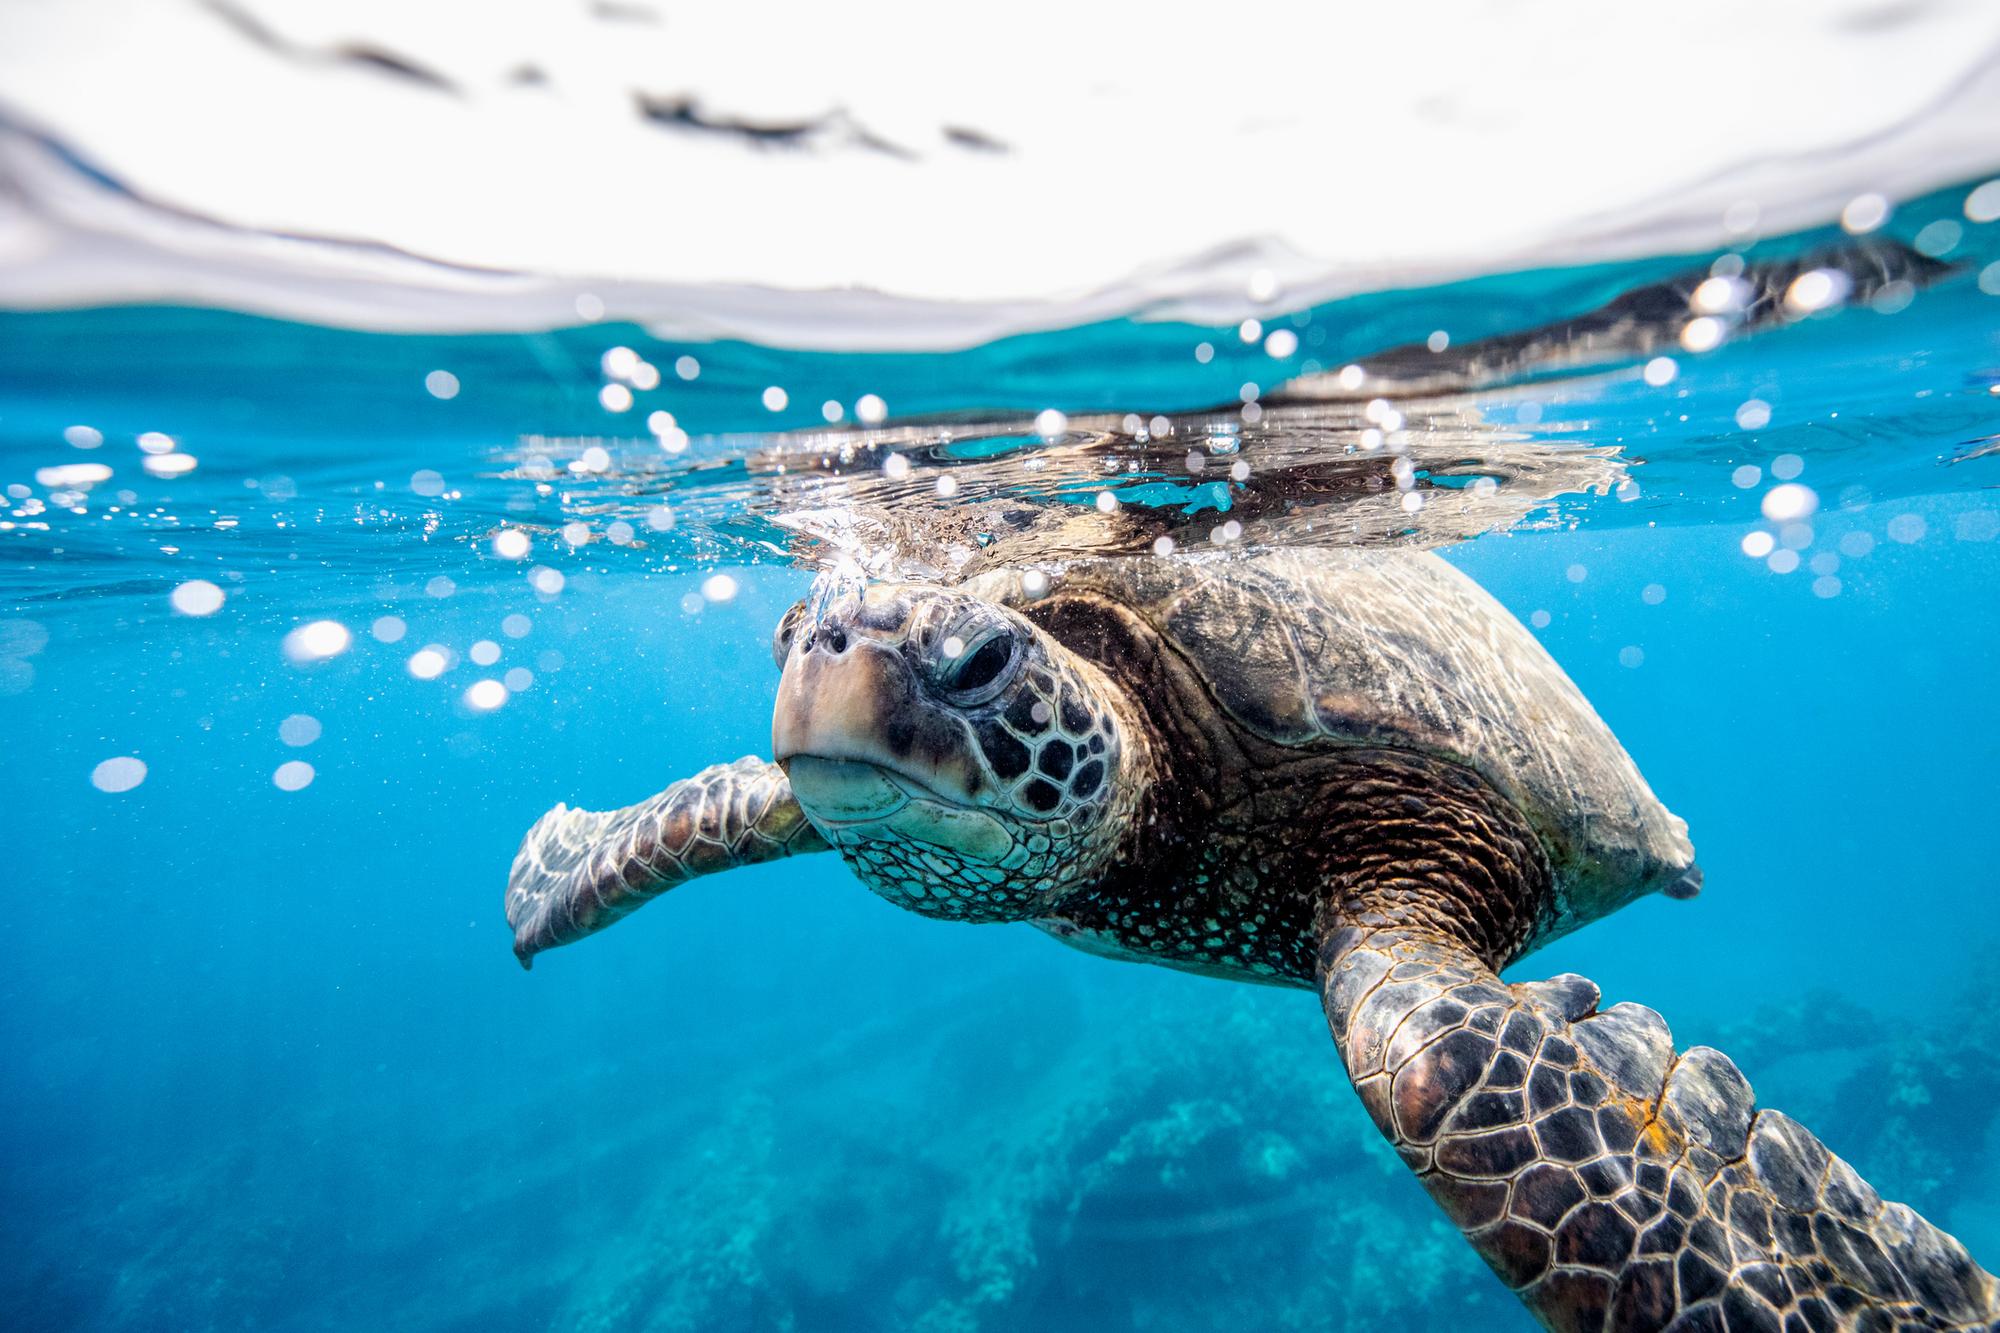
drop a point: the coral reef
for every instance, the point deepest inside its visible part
(1161, 1154)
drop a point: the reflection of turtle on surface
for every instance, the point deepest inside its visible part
(1343, 769)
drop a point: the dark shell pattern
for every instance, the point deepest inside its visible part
(1383, 648)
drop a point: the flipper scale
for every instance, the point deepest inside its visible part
(1610, 1182)
(578, 871)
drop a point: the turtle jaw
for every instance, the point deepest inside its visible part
(851, 800)
(862, 707)
(875, 770)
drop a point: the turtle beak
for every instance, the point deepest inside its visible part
(848, 695)
(832, 704)
(863, 748)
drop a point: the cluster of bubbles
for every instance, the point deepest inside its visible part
(1785, 540)
(433, 660)
(626, 374)
(1788, 505)
(1717, 305)
(68, 485)
(312, 642)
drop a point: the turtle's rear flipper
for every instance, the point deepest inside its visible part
(1610, 1182)
(580, 870)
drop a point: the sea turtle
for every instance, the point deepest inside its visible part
(1343, 769)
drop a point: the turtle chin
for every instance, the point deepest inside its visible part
(878, 801)
(910, 843)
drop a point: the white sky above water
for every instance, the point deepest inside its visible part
(1156, 157)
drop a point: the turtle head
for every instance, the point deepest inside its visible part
(964, 763)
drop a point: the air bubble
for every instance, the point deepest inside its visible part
(169, 465)
(1702, 334)
(1864, 213)
(121, 774)
(196, 597)
(1907, 528)
(1789, 502)
(485, 695)
(1938, 239)
(317, 641)
(1817, 289)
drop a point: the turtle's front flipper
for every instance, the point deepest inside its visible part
(1610, 1182)
(580, 870)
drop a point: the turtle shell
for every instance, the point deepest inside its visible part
(1396, 648)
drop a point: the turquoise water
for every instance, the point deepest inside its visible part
(273, 1065)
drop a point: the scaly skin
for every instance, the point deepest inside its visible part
(580, 870)
(1348, 770)
(1608, 1181)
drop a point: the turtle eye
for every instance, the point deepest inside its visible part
(980, 670)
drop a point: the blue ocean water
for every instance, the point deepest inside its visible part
(273, 1065)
